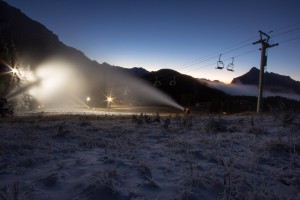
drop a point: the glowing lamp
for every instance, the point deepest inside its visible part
(109, 99)
(14, 71)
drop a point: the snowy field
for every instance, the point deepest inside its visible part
(104, 155)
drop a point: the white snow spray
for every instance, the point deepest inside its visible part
(60, 83)
(21, 90)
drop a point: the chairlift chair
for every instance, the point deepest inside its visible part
(220, 64)
(157, 83)
(230, 65)
(173, 82)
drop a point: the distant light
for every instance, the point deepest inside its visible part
(109, 99)
(88, 99)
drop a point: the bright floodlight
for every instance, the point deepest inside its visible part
(109, 99)
(13, 70)
(88, 99)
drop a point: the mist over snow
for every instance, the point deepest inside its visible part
(247, 90)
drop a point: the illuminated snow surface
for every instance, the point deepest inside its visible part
(111, 155)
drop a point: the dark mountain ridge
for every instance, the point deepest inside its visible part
(272, 81)
(28, 35)
(35, 44)
(183, 88)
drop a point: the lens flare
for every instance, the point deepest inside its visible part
(88, 99)
(109, 99)
(14, 71)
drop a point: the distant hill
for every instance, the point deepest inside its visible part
(273, 82)
(183, 88)
(35, 44)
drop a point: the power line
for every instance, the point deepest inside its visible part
(242, 54)
(248, 52)
(285, 32)
(282, 33)
(213, 55)
(289, 40)
(216, 56)
(284, 27)
(164, 77)
(239, 46)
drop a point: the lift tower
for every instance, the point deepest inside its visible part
(264, 40)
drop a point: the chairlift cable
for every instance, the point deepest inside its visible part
(245, 53)
(217, 55)
(285, 27)
(205, 66)
(200, 60)
(285, 32)
(289, 40)
(211, 56)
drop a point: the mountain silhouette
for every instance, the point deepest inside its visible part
(35, 44)
(272, 81)
(183, 88)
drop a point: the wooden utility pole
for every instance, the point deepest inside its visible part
(264, 40)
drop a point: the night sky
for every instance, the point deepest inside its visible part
(184, 35)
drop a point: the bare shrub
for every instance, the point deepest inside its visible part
(257, 130)
(157, 118)
(61, 131)
(215, 125)
(167, 123)
(144, 118)
(12, 191)
(187, 121)
(50, 180)
(85, 124)
(283, 113)
(145, 171)
(106, 181)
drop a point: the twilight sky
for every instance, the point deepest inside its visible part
(184, 35)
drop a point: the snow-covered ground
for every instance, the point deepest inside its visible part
(83, 155)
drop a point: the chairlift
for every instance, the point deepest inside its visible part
(173, 82)
(220, 64)
(157, 83)
(231, 65)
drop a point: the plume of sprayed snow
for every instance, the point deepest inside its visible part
(21, 90)
(60, 83)
(137, 90)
